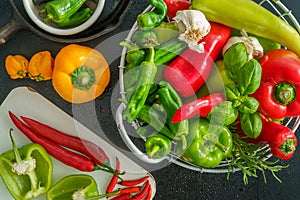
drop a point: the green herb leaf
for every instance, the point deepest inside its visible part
(251, 124)
(232, 92)
(248, 105)
(234, 59)
(249, 77)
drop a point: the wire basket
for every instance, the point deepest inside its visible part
(274, 6)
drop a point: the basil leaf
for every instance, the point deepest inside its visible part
(251, 124)
(223, 114)
(248, 105)
(232, 92)
(249, 77)
(234, 59)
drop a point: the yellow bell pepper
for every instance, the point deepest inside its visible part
(16, 66)
(80, 73)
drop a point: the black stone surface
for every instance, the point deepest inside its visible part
(173, 182)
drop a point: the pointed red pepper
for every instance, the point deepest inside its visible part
(199, 107)
(189, 71)
(279, 92)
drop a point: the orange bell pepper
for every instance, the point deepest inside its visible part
(80, 73)
(40, 66)
(16, 66)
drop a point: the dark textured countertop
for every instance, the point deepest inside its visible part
(173, 182)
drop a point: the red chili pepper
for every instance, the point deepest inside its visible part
(65, 156)
(279, 92)
(130, 190)
(91, 150)
(189, 71)
(176, 5)
(122, 197)
(133, 182)
(114, 180)
(143, 193)
(198, 107)
(281, 139)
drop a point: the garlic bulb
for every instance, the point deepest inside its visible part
(254, 48)
(192, 26)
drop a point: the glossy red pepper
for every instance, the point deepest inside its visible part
(67, 157)
(81, 145)
(176, 5)
(199, 107)
(188, 71)
(281, 139)
(279, 92)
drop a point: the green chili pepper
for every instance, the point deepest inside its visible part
(156, 119)
(145, 131)
(147, 75)
(145, 38)
(249, 16)
(158, 146)
(76, 184)
(134, 56)
(171, 102)
(153, 18)
(61, 10)
(27, 171)
(211, 144)
(76, 19)
(168, 51)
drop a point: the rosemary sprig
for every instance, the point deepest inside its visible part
(251, 158)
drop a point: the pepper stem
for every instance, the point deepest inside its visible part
(288, 147)
(153, 151)
(221, 146)
(284, 93)
(110, 194)
(83, 78)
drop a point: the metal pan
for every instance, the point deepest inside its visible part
(111, 16)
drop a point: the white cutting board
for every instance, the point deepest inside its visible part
(26, 102)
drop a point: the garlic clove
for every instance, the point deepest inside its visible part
(254, 48)
(192, 26)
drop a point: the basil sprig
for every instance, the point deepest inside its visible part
(247, 77)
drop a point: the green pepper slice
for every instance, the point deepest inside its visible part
(34, 183)
(73, 185)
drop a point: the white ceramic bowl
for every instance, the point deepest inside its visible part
(33, 12)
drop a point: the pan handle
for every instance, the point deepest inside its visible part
(8, 30)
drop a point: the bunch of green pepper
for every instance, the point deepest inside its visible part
(66, 13)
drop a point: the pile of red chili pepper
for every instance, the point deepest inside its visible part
(90, 157)
(223, 102)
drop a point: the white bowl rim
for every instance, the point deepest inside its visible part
(68, 31)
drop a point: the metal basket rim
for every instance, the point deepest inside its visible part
(224, 166)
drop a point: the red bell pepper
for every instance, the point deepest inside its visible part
(279, 92)
(189, 71)
(176, 5)
(281, 139)
(199, 107)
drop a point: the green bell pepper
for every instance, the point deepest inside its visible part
(73, 185)
(211, 144)
(249, 16)
(26, 171)
(61, 10)
(151, 19)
